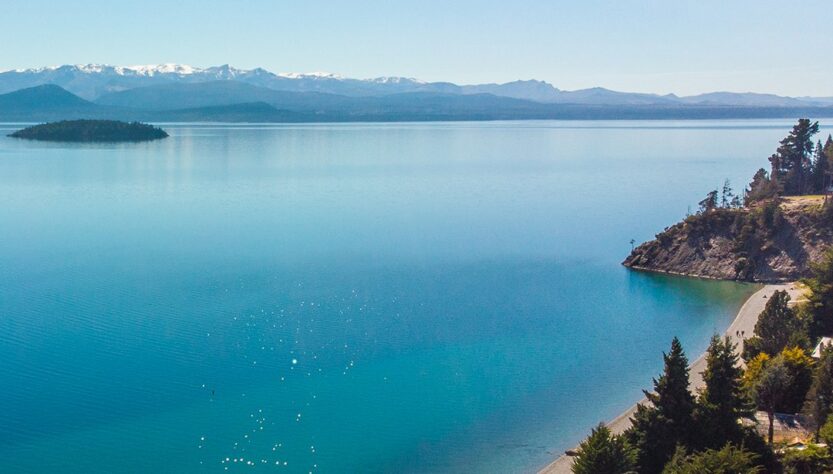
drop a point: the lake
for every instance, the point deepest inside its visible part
(437, 297)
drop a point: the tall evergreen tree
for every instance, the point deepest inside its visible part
(821, 169)
(723, 401)
(604, 453)
(658, 429)
(726, 195)
(760, 188)
(791, 162)
(710, 202)
(820, 397)
(820, 303)
(671, 396)
(776, 327)
(653, 439)
(828, 150)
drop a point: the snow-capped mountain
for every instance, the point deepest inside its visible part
(91, 81)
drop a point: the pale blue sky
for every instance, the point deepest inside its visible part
(650, 46)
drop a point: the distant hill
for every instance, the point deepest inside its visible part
(46, 100)
(94, 81)
(254, 112)
(748, 99)
(231, 101)
(217, 93)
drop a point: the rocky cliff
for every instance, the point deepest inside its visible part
(771, 242)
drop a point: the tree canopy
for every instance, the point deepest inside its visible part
(791, 163)
(604, 453)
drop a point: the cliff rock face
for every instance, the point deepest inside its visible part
(768, 243)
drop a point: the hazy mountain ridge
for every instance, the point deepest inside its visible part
(92, 81)
(233, 101)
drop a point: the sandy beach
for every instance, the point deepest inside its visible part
(744, 323)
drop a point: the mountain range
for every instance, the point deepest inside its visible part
(224, 93)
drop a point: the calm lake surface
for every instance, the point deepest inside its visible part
(440, 297)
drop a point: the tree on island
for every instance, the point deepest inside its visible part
(604, 453)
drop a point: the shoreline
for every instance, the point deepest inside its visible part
(744, 322)
(785, 281)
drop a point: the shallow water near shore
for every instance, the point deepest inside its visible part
(437, 297)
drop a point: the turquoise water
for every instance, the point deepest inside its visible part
(345, 298)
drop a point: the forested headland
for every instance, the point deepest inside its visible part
(779, 228)
(769, 232)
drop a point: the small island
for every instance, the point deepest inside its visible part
(91, 131)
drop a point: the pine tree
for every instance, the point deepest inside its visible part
(761, 187)
(671, 396)
(604, 453)
(726, 195)
(658, 429)
(776, 327)
(820, 303)
(709, 203)
(821, 169)
(828, 151)
(791, 162)
(723, 401)
(652, 438)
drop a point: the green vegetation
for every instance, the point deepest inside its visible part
(724, 400)
(727, 460)
(798, 167)
(91, 131)
(778, 326)
(718, 432)
(812, 460)
(769, 390)
(819, 402)
(659, 428)
(820, 304)
(678, 433)
(764, 233)
(604, 453)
